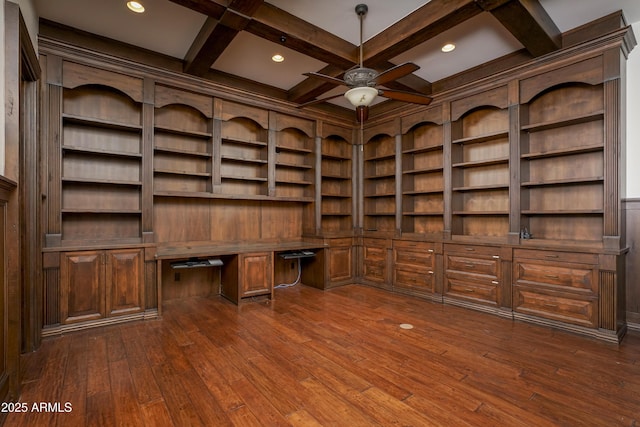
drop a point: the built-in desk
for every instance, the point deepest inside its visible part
(247, 269)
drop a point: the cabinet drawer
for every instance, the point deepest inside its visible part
(471, 287)
(419, 260)
(415, 246)
(486, 266)
(413, 280)
(374, 253)
(374, 271)
(343, 242)
(489, 251)
(569, 277)
(549, 304)
(556, 256)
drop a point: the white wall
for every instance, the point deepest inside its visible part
(633, 119)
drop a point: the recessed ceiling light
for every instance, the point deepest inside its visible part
(448, 47)
(135, 6)
(277, 58)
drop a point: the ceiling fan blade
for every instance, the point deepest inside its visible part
(325, 78)
(412, 97)
(318, 101)
(396, 72)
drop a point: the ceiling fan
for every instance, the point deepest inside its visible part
(362, 82)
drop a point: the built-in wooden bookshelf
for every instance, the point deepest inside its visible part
(562, 163)
(380, 184)
(423, 180)
(101, 175)
(294, 158)
(134, 163)
(337, 185)
(480, 173)
(244, 158)
(182, 142)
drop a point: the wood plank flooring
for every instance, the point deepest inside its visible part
(330, 358)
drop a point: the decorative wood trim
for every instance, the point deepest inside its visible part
(607, 308)
(6, 187)
(611, 157)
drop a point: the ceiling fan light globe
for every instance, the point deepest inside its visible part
(361, 96)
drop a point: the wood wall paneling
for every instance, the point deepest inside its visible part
(632, 292)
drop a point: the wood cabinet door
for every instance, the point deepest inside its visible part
(256, 274)
(82, 285)
(124, 282)
(340, 266)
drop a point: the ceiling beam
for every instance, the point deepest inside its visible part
(272, 23)
(217, 33)
(206, 7)
(528, 22)
(414, 29)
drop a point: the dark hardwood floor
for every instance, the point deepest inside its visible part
(333, 358)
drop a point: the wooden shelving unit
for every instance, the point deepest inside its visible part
(138, 162)
(423, 180)
(101, 170)
(244, 158)
(183, 150)
(379, 185)
(294, 164)
(336, 185)
(480, 174)
(560, 201)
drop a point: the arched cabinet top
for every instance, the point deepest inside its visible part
(165, 96)
(431, 115)
(390, 129)
(328, 130)
(494, 98)
(589, 71)
(283, 121)
(227, 110)
(76, 75)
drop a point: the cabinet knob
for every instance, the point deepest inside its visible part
(494, 282)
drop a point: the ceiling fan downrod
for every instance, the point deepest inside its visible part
(361, 11)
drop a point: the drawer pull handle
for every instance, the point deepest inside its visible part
(550, 305)
(469, 265)
(496, 257)
(551, 256)
(469, 249)
(430, 250)
(430, 272)
(470, 290)
(494, 282)
(551, 276)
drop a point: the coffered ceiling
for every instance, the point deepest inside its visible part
(232, 41)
